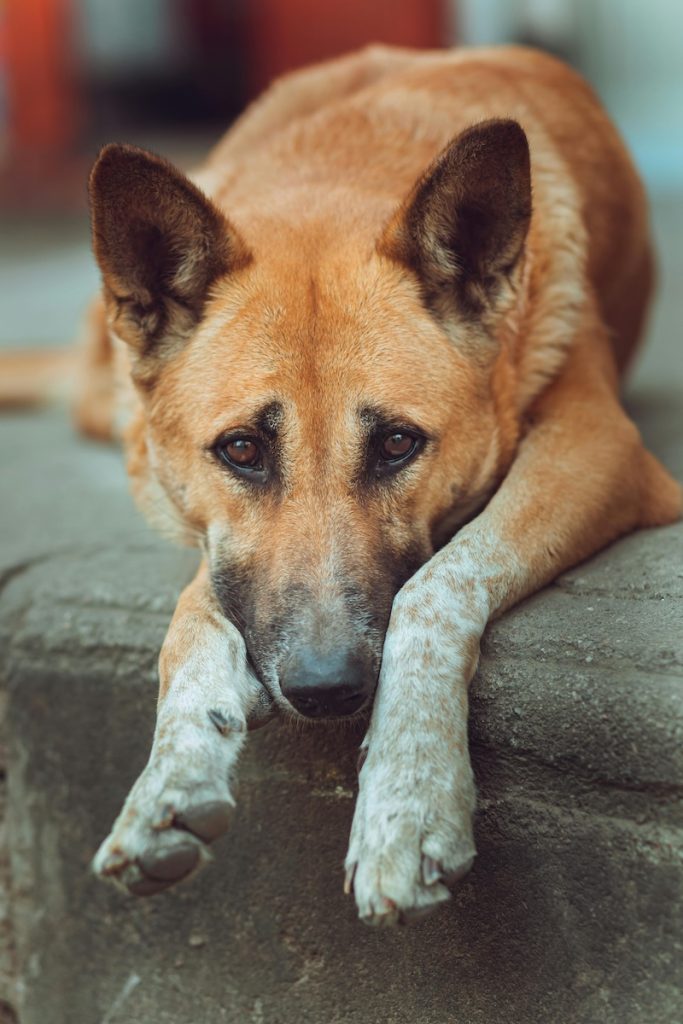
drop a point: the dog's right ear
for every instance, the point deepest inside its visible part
(462, 229)
(160, 244)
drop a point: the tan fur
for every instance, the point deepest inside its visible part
(293, 192)
(301, 283)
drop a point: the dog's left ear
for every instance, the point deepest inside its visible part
(160, 243)
(463, 227)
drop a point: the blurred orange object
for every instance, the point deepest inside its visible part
(44, 114)
(286, 34)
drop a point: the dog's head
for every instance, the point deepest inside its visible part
(322, 407)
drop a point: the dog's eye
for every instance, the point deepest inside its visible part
(395, 450)
(241, 453)
(397, 447)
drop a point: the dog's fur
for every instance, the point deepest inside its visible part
(378, 255)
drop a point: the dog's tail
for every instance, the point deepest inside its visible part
(37, 377)
(81, 376)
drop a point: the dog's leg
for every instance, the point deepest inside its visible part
(581, 478)
(183, 799)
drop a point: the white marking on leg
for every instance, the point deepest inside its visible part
(183, 797)
(412, 829)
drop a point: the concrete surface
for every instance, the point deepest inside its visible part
(572, 914)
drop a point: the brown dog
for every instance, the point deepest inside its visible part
(376, 382)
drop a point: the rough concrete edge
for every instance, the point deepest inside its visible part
(8, 952)
(17, 599)
(8, 960)
(9, 963)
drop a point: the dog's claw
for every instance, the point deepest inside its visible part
(113, 864)
(165, 819)
(348, 879)
(432, 870)
(226, 723)
(382, 914)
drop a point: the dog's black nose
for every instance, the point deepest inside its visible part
(328, 686)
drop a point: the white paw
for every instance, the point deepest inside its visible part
(180, 804)
(411, 838)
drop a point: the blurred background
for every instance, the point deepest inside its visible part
(171, 75)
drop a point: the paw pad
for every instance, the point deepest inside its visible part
(207, 821)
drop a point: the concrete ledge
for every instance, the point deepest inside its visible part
(572, 912)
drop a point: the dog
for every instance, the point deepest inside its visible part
(375, 345)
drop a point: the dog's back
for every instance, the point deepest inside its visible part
(341, 143)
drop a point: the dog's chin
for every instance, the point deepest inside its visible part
(290, 714)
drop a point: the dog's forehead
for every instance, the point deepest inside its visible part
(327, 341)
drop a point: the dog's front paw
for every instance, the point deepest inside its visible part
(180, 804)
(411, 838)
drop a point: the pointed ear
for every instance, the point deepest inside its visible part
(463, 227)
(160, 244)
